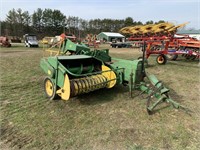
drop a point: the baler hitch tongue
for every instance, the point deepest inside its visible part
(156, 89)
(162, 98)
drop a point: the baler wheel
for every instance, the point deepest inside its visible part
(49, 88)
(161, 59)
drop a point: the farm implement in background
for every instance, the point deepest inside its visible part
(91, 40)
(169, 49)
(162, 41)
(75, 70)
(4, 42)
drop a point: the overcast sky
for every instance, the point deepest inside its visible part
(176, 11)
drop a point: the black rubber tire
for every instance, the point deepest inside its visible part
(172, 56)
(161, 59)
(53, 95)
(187, 56)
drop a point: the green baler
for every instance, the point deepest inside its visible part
(84, 71)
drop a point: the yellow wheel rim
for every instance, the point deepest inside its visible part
(49, 88)
(160, 59)
(65, 95)
(109, 75)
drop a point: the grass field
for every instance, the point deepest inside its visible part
(106, 119)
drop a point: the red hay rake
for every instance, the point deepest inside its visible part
(162, 41)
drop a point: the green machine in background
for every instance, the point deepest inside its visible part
(84, 70)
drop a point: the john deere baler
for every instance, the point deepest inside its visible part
(84, 71)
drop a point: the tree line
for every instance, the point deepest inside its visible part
(51, 22)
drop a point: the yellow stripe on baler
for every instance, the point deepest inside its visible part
(109, 75)
(65, 91)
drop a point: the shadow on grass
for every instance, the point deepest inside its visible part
(175, 96)
(118, 93)
(102, 95)
(161, 108)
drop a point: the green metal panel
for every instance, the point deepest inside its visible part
(68, 45)
(53, 61)
(82, 48)
(48, 69)
(130, 67)
(60, 78)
